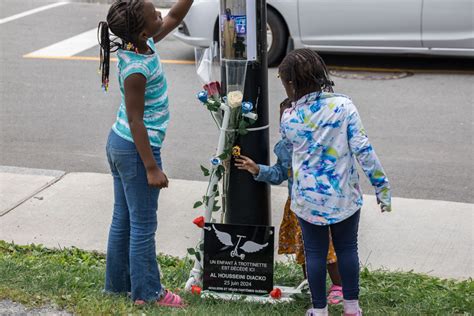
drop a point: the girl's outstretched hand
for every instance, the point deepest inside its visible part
(245, 163)
(157, 178)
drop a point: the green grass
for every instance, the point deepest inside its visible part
(72, 279)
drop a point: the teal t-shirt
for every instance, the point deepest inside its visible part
(156, 115)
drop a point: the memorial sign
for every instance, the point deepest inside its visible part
(238, 258)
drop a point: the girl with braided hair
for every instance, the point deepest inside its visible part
(324, 131)
(290, 240)
(134, 143)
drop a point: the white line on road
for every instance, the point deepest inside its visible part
(73, 45)
(69, 47)
(30, 12)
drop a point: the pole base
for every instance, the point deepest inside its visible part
(287, 292)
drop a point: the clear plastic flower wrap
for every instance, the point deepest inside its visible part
(207, 70)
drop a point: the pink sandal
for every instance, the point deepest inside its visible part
(169, 300)
(335, 295)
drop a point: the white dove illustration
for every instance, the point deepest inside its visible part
(249, 246)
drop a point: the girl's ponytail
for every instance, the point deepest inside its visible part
(125, 20)
(104, 43)
(327, 84)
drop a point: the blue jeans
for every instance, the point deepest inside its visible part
(131, 254)
(316, 244)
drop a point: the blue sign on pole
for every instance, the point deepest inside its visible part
(240, 24)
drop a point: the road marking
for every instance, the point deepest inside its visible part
(69, 47)
(89, 58)
(30, 12)
(413, 70)
(73, 45)
(340, 68)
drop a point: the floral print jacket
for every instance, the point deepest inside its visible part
(325, 134)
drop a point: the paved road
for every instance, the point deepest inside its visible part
(54, 115)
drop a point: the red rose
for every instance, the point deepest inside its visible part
(196, 289)
(199, 221)
(213, 88)
(275, 293)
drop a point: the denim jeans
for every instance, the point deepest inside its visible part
(131, 255)
(316, 244)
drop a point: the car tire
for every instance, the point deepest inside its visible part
(278, 47)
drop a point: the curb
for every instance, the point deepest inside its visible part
(56, 174)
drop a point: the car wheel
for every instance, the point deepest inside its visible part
(277, 38)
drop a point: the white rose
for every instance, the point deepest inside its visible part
(234, 99)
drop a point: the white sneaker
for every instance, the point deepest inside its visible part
(317, 312)
(359, 313)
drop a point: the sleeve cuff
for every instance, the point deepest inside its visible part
(384, 195)
(262, 174)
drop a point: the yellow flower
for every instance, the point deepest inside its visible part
(236, 151)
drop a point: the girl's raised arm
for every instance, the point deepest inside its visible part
(173, 19)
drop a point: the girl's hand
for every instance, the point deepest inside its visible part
(245, 163)
(157, 178)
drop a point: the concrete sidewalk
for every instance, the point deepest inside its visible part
(426, 236)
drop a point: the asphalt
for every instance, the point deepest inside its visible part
(55, 116)
(75, 209)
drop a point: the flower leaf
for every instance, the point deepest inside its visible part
(226, 153)
(197, 204)
(198, 255)
(191, 251)
(218, 173)
(205, 171)
(243, 131)
(221, 168)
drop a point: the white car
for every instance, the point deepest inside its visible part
(434, 27)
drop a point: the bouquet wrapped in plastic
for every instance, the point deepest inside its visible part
(207, 74)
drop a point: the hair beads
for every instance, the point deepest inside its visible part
(125, 20)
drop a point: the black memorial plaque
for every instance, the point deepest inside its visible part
(238, 258)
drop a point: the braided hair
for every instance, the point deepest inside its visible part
(305, 69)
(285, 104)
(125, 20)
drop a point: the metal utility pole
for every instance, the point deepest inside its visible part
(243, 30)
